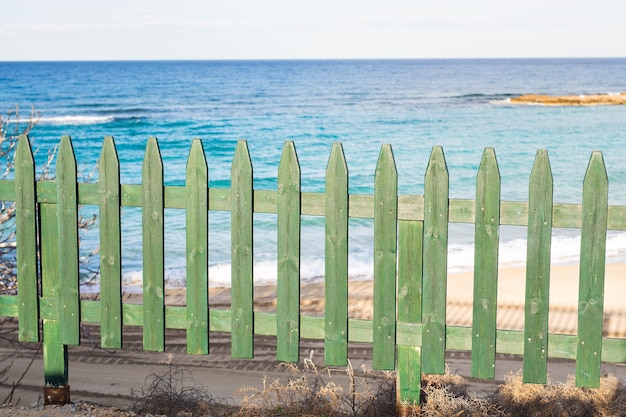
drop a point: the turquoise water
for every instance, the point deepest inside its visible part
(462, 105)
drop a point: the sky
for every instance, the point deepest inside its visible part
(321, 29)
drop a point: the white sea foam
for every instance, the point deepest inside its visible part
(501, 101)
(512, 253)
(75, 120)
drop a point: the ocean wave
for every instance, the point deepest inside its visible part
(88, 120)
(127, 110)
(75, 120)
(512, 254)
(487, 98)
(483, 96)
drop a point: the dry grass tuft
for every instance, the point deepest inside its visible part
(562, 399)
(341, 392)
(446, 395)
(310, 391)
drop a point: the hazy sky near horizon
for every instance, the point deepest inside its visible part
(287, 29)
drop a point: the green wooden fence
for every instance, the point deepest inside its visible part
(408, 331)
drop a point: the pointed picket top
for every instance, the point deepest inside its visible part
(152, 163)
(386, 165)
(537, 301)
(24, 153)
(289, 168)
(108, 155)
(197, 250)
(385, 259)
(596, 171)
(336, 259)
(242, 164)
(242, 320)
(437, 165)
(196, 162)
(67, 201)
(337, 165)
(110, 246)
(26, 239)
(488, 168)
(592, 270)
(541, 172)
(436, 191)
(487, 224)
(66, 152)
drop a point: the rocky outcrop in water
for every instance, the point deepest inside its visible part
(572, 100)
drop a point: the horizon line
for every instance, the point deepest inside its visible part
(309, 59)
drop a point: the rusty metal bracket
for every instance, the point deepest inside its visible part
(56, 396)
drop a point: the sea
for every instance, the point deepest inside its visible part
(461, 104)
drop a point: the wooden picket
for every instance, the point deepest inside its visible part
(385, 251)
(487, 225)
(153, 254)
(408, 331)
(197, 233)
(288, 292)
(241, 258)
(336, 272)
(110, 247)
(25, 225)
(591, 286)
(67, 217)
(538, 271)
(435, 264)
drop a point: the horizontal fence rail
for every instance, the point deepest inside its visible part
(408, 331)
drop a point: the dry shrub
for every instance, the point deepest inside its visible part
(446, 395)
(173, 393)
(337, 392)
(562, 399)
(456, 384)
(313, 392)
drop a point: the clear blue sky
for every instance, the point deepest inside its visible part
(291, 29)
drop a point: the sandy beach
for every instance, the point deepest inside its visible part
(564, 283)
(107, 377)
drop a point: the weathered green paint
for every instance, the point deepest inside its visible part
(26, 238)
(435, 263)
(538, 271)
(110, 247)
(385, 260)
(410, 264)
(336, 253)
(409, 376)
(67, 202)
(55, 358)
(241, 253)
(592, 266)
(153, 249)
(197, 278)
(288, 211)
(486, 235)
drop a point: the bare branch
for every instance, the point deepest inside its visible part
(11, 127)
